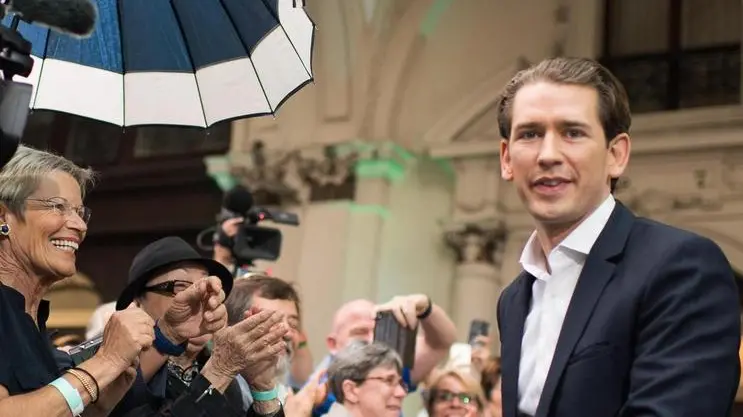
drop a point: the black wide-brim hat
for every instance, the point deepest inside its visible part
(159, 255)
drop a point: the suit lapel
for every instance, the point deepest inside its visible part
(516, 312)
(597, 272)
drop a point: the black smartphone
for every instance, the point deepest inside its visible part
(478, 328)
(389, 331)
(85, 350)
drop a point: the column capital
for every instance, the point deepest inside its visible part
(294, 176)
(478, 243)
(385, 160)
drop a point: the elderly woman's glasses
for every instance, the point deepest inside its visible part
(448, 396)
(168, 288)
(391, 381)
(62, 207)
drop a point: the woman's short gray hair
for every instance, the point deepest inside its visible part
(23, 173)
(356, 361)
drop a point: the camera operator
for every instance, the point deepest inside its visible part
(302, 364)
(42, 224)
(169, 280)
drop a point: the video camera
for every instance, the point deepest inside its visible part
(252, 242)
(15, 97)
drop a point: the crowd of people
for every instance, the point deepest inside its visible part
(185, 337)
(598, 324)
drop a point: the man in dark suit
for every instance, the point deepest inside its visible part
(613, 315)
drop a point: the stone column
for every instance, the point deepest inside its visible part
(378, 168)
(479, 249)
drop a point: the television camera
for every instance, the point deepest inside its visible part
(72, 17)
(252, 242)
(15, 97)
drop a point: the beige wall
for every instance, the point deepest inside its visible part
(420, 77)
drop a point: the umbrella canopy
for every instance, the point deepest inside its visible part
(175, 62)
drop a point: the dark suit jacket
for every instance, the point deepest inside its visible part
(652, 329)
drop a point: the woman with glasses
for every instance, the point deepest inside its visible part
(366, 380)
(43, 222)
(455, 393)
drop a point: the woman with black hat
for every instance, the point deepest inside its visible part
(159, 274)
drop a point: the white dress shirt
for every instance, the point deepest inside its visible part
(551, 293)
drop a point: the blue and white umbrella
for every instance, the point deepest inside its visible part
(175, 62)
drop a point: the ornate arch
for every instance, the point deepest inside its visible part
(399, 55)
(470, 108)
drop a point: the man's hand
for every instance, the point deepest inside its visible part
(405, 308)
(309, 397)
(250, 347)
(480, 352)
(196, 311)
(127, 333)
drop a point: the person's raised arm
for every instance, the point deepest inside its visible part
(438, 331)
(127, 333)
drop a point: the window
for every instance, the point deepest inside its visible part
(675, 54)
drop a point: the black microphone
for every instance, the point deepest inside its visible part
(76, 17)
(237, 202)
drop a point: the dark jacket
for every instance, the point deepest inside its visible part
(652, 328)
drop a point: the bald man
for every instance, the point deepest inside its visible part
(355, 321)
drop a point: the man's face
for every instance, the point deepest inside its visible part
(358, 326)
(557, 154)
(291, 318)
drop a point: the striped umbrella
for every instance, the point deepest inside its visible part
(175, 62)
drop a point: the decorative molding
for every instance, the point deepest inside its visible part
(562, 28)
(478, 243)
(287, 177)
(651, 201)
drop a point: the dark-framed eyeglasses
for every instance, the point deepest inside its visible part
(391, 381)
(445, 396)
(168, 288)
(63, 207)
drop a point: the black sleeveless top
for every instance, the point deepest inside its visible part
(27, 360)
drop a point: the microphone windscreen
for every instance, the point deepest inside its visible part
(238, 200)
(75, 17)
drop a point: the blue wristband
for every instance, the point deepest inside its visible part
(264, 396)
(70, 394)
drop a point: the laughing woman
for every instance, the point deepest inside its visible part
(42, 224)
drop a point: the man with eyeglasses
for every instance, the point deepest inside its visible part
(159, 274)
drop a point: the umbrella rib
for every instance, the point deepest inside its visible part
(119, 7)
(41, 69)
(190, 58)
(249, 54)
(276, 16)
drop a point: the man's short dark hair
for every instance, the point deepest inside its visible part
(244, 289)
(614, 110)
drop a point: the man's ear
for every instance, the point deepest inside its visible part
(619, 152)
(505, 161)
(331, 343)
(350, 392)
